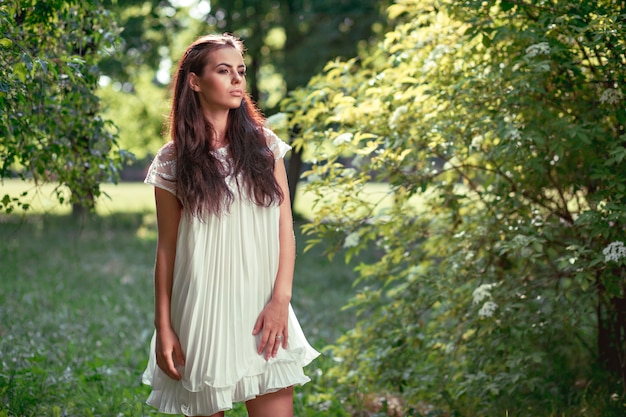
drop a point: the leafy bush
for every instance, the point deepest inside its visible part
(498, 127)
(49, 119)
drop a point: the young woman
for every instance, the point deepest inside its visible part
(224, 328)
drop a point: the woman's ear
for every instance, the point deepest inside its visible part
(193, 82)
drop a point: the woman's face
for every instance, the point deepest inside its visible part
(222, 84)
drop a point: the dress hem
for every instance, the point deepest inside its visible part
(165, 404)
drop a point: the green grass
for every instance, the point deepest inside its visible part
(76, 311)
(138, 197)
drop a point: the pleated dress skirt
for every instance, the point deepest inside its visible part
(223, 277)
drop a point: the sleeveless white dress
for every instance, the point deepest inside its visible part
(224, 273)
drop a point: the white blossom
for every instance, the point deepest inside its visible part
(343, 138)
(482, 292)
(324, 406)
(277, 119)
(538, 49)
(611, 96)
(349, 172)
(351, 240)
(614, 252)
(430, 63)
(514, 134)
(554, 160)
(477, 141)
(397, 113)
(487, 309)
(313, 177)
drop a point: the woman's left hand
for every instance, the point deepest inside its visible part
(272, 324)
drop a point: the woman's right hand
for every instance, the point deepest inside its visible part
(169, 353)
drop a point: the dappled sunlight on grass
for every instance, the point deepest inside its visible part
(123, 197)
(115, 198)
(134, 197)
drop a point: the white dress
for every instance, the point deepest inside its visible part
(224, 273)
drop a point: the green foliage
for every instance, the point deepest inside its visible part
(49, 123)
(139, 114)
(134, 96)
(147, 30)
(296, 38)
(499, 128)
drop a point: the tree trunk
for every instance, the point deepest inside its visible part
(79, 211)
(293, 173)
(611, 316)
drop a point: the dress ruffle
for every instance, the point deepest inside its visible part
(173, 398)
(259, 377)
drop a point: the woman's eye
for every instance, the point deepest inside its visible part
(242, 73)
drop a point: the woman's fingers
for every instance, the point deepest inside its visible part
(179, 358)
(166, 363)
(270, 341)
(273, 343)
(277, 342)
(272, 325)
(285, 338)
(281, 339)
(169, 355)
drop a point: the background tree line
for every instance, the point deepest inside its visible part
(121, 53)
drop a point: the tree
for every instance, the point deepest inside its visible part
(148, 30)
(294, 39)
(50, 124)
(497, 128)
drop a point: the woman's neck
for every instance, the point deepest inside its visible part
(219, 123)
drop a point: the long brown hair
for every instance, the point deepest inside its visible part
(201, 182)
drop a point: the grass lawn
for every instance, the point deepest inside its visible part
(76, 311)
(125, 197)
(138, 197)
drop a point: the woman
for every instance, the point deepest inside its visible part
(224, 328)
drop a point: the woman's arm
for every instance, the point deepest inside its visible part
(287, 257)
(274, 318)
(168, 350)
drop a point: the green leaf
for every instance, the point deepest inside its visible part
(394, 11)
(43, 64)
(20, 71)
(506, 5)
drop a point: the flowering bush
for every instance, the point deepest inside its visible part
(497, 128)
